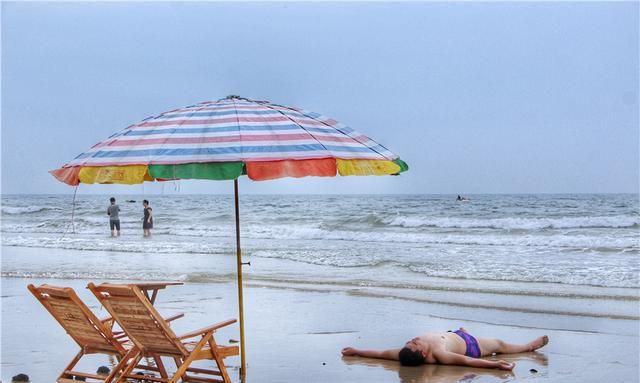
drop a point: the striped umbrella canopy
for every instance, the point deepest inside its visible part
(224, 139)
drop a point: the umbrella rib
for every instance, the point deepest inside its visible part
(332, 127)
(174, 131)
(149, 162)
(346, 134)
(290, 119)
(235, 108)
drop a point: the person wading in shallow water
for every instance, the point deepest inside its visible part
(147, 220)
(457, 347)
(113, 211)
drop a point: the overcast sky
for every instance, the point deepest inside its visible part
(476, 98)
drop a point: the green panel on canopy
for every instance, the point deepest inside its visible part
(403, 165)
(198, 171)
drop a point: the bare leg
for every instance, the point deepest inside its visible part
(490, 346)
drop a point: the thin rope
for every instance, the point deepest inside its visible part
(73, 210)
(176, 183)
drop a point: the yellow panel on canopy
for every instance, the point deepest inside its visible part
(130, 174)
(367, 167)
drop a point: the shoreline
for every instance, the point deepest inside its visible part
(534, 298)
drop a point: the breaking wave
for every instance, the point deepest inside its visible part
(513, 223)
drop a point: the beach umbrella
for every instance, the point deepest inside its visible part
(225, 139)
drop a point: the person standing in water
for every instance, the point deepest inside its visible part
(147, 220)
(113, 211)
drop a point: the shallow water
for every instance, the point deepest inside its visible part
(581, 240)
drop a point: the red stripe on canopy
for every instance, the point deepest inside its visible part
(67, 175)
(268, 170)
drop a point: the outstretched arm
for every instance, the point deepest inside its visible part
(446, 357)
(386, 354)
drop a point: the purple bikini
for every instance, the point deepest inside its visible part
(473, 349)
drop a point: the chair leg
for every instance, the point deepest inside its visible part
(71, 364)
(120, 369)
(219, 361)
(192, 356)
(114, 371)
(129, 369)
(160, 365)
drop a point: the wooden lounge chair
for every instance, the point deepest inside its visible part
(94, 336)
(152, 337)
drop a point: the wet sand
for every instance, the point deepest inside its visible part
(296, 334)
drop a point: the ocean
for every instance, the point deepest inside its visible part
(511, 248)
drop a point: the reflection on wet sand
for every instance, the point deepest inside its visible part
(437, 373)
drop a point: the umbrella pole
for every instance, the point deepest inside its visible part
(239, 267)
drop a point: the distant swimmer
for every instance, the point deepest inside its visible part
(457, 348)
(131, 200)
(461, 198)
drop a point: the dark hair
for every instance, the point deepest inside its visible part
(112, 199)
(409, 357)
(145, 202)
(103, 370)
(20, 378)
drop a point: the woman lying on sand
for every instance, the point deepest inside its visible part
(458, 347)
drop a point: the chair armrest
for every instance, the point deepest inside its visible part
(108, 321)
(205, 330)
(174, 317)
(105, 320)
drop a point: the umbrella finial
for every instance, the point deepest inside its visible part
(232, 97)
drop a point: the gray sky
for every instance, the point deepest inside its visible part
(476, 98)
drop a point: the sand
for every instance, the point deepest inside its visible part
(295, 334)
